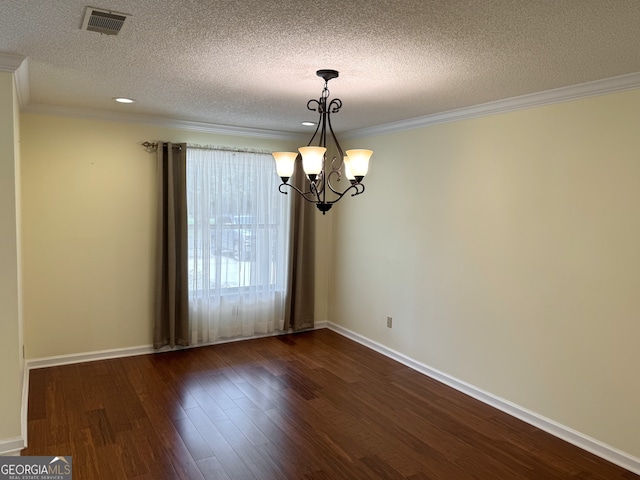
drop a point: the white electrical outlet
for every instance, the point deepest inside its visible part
(389, 322)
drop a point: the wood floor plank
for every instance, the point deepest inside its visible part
(260, 465)
(198, 448)
(317, 445)
(223, 451)
(292, 455)
(313, 405)
(247, 427)
(212, 469)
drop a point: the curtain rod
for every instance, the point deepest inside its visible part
(154, 145)
(151, 146)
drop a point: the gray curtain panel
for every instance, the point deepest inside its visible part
(171, 316)
(300, 304)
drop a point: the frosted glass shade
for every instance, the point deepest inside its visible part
(312, 159)
(284, 163)
(347, 169)
(359, 162)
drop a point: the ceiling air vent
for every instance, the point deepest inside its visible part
(103, 21)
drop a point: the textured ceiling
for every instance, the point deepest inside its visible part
(252, 63)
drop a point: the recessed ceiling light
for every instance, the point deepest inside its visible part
(124, 100)
(309, 124)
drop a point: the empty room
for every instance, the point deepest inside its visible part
(320, 240)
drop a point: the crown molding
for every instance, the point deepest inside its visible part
(41, 109)
(18, 65)
(589, 89)
(21, 77)
(10, 62)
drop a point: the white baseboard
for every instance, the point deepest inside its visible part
(24, 410)
(15, 445)
(607, 452)
(11, 447)
(87, 357)
(567, 434)
(59, 360)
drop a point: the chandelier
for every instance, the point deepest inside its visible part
(320, 173)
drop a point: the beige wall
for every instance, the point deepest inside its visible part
(507, 250)
(88, 221)
(10, 342)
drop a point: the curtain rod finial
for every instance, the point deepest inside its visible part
(150, 147)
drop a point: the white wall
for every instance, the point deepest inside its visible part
(10, 340)
(88, 190)
(507, 250)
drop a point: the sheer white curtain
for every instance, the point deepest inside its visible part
(237, 244)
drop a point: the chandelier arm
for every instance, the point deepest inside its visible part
(312, 101)
(335, 105)
(317, 187)
(318, 109)
(314, 135)
(324, 114)
(358, 187)
(333, 135)
(359, 190)
(313, 188)
(323, 129)
(304, 195)
(338, 174)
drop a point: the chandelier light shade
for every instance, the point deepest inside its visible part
(284, 164)
(358, 162)
(322, 175)
(312, 160)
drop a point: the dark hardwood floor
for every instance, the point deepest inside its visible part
(313, 405)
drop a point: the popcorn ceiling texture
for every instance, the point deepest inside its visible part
(252, 63)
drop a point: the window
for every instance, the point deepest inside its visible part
(237, 244)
